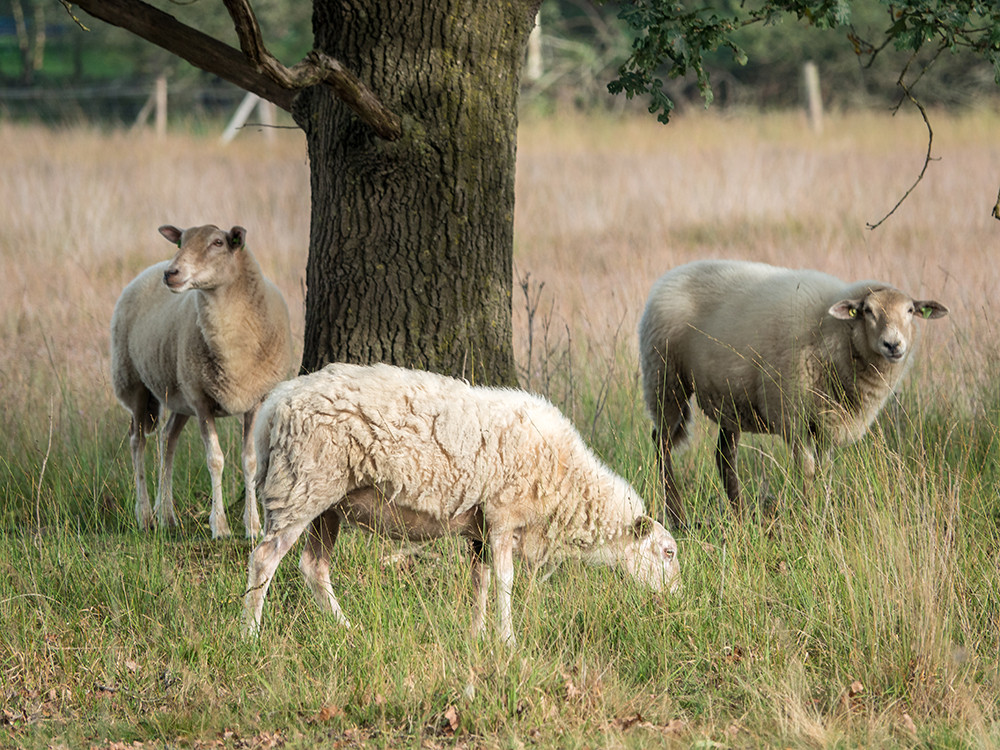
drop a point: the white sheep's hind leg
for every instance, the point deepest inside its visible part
(263, 562)
(480, 585)
(502, 552)
(164, 508)
(805, 456)
(137, 442)
(315, 562)
(213, 453)
(251, 516)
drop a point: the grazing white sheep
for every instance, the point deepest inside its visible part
(415, 455)
(793, 353)
(204, 335)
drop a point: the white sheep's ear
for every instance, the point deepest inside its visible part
(172, 233)
(642, 527)
(928, 308)
(846, 309)
(237, 237)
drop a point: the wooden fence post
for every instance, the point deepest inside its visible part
(813, 96)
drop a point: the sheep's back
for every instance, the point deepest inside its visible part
(736, 328)
(429, 442)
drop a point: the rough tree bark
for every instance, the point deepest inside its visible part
(411, 240)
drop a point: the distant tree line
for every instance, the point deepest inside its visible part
(583, 43)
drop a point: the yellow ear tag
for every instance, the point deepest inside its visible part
(854, 312)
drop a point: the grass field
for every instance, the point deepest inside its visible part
(865, 612)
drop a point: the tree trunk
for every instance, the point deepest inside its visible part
(410, 254)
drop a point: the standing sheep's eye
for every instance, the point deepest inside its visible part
(217, 242)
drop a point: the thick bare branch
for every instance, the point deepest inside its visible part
(317, 67)
(199, 49)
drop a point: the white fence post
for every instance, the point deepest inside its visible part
(239, 117)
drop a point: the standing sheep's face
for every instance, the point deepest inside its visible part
(207, 258)
(651, 558)
(883, 318)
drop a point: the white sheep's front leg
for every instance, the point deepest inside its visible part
(164, 509)
(263, 562)
(502, 552)
(137, 442)
(251, 516)
(213, 454)
(315, 563)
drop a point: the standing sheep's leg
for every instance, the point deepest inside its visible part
(480, 584)
(263, 562)
(725, 459)
(137, 442)
(502, 552)
(315, 562)
(671, 495)
(251, 516)
(164, 508)
(213, 453)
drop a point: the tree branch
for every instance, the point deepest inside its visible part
(317, 67)
(255, 69)
(199, 49)
(927, 157)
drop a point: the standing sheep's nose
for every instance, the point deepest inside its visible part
(169, 274)
(893, 349)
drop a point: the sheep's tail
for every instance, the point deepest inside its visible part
(262, 447)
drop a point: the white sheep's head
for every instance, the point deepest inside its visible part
(650, 556)
(207, 257)
(883, 319)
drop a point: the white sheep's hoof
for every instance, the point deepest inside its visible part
(220, 529)
(250, 631)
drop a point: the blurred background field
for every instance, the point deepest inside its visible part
(863, 613)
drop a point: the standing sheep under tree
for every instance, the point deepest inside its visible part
(415, 455)
(794, 353)
(204, 335)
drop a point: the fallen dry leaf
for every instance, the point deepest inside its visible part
(451, 716)
(856, 688)
(328, 712)
(628, 721)
(908, 724)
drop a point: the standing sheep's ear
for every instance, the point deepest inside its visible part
(237, 237)
(642, 527)
(172, 233)
(928, 308)
(846, 309)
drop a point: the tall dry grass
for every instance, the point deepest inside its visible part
(862, 612)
